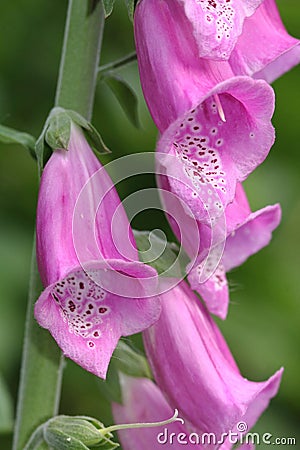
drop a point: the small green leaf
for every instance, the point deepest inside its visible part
(108, 7)
(58, 132)
(95, 140)
(42, 151)
(158, 253)
(11, 136)
(116, 65)
(125, 95)
(6, 408)
(131, 7)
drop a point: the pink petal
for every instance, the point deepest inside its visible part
(87, 321)
(247, 234)
(250, 236)
(237, 211)
(214, 291)
(265, 49)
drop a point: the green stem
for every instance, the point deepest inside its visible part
(119, 63)
(42, 363)
(41, 372)
(80, 56)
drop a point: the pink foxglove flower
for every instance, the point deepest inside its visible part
(94, 293)
(216, 127)
(265, 49)
(246, 234)
(194, 368)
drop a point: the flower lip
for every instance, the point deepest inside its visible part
(255, 53)
(87, 321)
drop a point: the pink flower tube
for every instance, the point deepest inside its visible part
(195, 370)
(143, 402)
(94, 293)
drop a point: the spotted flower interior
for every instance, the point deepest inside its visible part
(217, 24)
(204, 145)
(82, 305)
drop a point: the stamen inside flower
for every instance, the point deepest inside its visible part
(220, 108)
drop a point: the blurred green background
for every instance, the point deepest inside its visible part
(263, 324)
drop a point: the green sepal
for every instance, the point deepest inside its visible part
(77, 433)
(11, 136)
(125, 96)
(128, 361)
(108, 6)
(131, 4)
(92, 135)
(159, 254)
(43, 152)
(56, 134)
(72, 433)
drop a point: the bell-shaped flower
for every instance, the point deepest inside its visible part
(96, 289)
(246, 233)
(216, 127)
(194, 368)
(265, 49)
